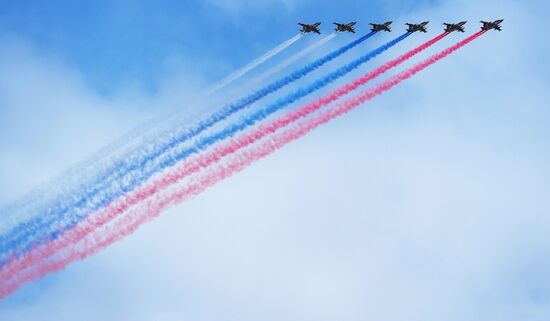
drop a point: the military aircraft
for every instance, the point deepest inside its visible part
(341, 27)
(450, 27)
(413, 27)
(492, 25)
(381, 26)
(306, 28)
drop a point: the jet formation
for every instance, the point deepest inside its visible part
(375, 27)
(307, 28)
(450, 27)
(492, 25)
(414, 27)
(341, 27)
(386, 26)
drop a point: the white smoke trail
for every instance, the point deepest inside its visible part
(191, 113)
(260, 60)
(289, 61)
(26, 207)
(167, 121)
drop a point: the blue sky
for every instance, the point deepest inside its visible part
(428, 203)
(114, 43)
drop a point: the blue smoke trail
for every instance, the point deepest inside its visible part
(132, 182)
(19, 239)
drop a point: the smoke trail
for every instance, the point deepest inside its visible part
(23, 236)
(240, 72)
(139, 131)
(154, 206)
(287, 62)
(204, 160)
(12, 239)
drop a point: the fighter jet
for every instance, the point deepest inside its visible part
(413, 27)
(341, 27)
(381, 26)
(450, 27)
(306, 28)
(492, 25)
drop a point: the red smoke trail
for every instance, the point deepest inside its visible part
(186, 168)
(154, 206)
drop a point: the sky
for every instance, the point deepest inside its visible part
(428, 203)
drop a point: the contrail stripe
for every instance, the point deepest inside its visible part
(203, 160)
(24, 206)
(121, 179)
(289, 61)
(154, 206)
(260, 60)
